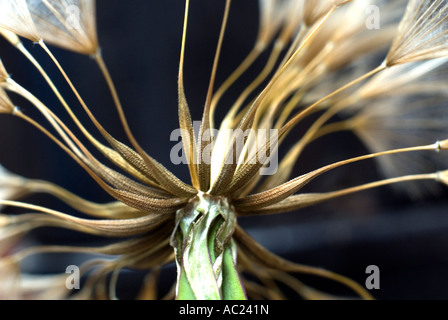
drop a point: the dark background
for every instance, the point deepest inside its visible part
(140, 40)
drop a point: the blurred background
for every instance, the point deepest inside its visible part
(406, 238)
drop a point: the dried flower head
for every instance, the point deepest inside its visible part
(155, 218)
(422, 34)
(67, 24)
(15, 17)
(410, 78)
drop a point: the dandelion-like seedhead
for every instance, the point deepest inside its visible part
(67, 24)
(422, 34)
(410, 78)
(15, 17)
(322, 62)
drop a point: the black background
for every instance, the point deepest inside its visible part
(140, 42)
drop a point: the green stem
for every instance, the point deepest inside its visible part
(205, 252)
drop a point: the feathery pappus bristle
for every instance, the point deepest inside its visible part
(316, 9)
(422, 34)
(387, 123)
(68, 24)
(425, 76)
(15, 17)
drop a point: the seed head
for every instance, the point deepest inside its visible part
(15, 17)
(421, 76)
(155, 213)
(68, 24)
(422, 34)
